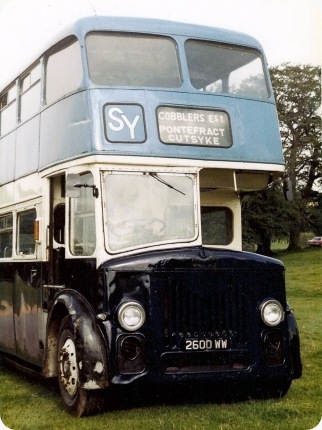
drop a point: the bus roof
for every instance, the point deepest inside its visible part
(162, 26)
(149, 25)
(81, 27)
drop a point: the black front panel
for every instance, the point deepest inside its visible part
(208, 319)
(203, 304)
(203, 309)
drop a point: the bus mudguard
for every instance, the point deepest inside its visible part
(89, 341)
(294, 342)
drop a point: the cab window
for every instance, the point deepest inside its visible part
(82, 219)
(216, 225)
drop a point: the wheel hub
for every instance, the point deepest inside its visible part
(68, 369)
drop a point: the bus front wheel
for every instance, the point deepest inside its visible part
(77, 400)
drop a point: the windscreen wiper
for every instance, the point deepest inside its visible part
(157, 177)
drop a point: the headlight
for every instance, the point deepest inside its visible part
(131, 316)
(272, 312)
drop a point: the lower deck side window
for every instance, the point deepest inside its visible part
(25, 236)
(6, 236)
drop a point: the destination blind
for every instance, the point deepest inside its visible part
(185, 126)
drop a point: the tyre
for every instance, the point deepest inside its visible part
(77, 400)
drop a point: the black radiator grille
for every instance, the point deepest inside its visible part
(204, 304)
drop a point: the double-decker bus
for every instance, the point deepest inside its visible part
(125, 149)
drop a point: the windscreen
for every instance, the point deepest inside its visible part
(148, 208)
(220, 68)
(127, 59)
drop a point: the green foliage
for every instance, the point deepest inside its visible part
(297, 91)
(29, 404)
(266, 217)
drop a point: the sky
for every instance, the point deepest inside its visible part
(289, 30)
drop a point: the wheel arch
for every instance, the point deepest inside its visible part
(294, 344)
(91, 345)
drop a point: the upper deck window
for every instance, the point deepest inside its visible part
(220, 68)
(30, 93)
(132, 60)
(8, 107)
(64, 72)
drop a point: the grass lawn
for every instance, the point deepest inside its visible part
(28, 403)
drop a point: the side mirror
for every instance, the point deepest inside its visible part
(72, 185)
(287, 188)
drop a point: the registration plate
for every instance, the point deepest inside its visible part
(205, 344)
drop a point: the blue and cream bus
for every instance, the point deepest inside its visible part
(125, 149)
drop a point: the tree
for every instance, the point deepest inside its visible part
(297, 91)
(266, 215)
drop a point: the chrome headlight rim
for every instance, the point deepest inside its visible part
(270, 307)
(123, 315)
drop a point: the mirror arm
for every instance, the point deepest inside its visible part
(94, 188)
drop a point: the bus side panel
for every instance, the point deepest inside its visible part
(27, 143)
(27, 305)
(65, 130)
(7, 338)
(7, 158)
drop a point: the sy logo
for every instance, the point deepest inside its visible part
(124, 123)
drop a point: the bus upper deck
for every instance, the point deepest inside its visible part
(149, 88)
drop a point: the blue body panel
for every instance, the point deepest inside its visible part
(254, 126)
(65, 130)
